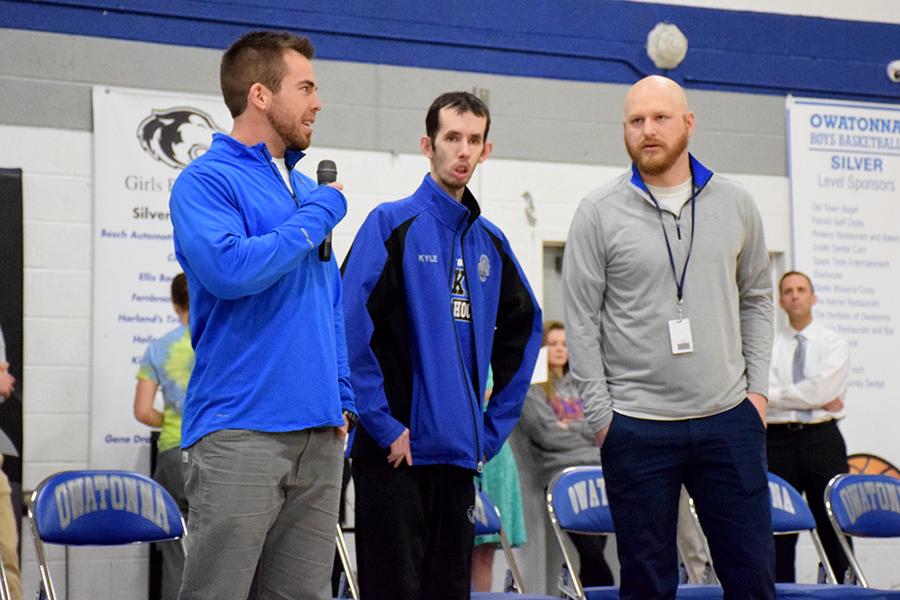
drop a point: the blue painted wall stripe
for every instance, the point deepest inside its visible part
(586, 40)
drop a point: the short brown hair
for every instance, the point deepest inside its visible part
(180, 296)
(257, 57)
(462, 102)
(803, 275)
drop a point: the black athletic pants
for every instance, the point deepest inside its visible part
(414, 531)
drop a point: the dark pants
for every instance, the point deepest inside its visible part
(808, 458)
(168, 475)
(338, 568)
(594, 571)
(721, 461)
(414, 531)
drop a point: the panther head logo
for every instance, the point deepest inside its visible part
(176, 136)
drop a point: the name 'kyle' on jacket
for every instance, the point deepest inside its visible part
(407, 366)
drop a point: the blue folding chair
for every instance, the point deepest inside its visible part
(576, 502)
(863, 506)
(487, 522)
(791, 514)
(100, 508)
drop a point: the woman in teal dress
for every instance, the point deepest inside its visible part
(500, 481)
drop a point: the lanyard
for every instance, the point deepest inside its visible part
(679, 282)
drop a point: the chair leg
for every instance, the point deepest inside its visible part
(46, 581)
(854, 564)
(575, 589)
(823, 558)
(345, 561)
(511, 563)
(5, 594)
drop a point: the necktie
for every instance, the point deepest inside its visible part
(799, 358)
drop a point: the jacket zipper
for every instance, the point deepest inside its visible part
(274, 169)
(479, 466)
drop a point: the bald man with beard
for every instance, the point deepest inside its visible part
(669, 319)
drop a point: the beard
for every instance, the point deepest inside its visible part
(662, 161)
(289, 128)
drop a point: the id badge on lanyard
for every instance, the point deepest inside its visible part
(680, 336)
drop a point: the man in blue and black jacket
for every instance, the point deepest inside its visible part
(435, 296)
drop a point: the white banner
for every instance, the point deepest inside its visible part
(844, 162)
(142, 140)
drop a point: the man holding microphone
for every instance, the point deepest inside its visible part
(269, 401)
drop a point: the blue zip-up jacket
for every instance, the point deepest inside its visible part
(407, 366)
(266, 315)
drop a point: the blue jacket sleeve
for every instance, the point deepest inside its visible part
(211, 236)
(364, 268)
(348, 401)
(517, 340)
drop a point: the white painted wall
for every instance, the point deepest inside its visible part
(58, 269)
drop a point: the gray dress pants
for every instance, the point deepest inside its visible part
(263, 512)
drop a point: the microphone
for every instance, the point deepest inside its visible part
(326, 173)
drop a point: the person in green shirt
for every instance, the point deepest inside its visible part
(167, 366)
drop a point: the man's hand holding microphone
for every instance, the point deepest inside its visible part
(326, 174)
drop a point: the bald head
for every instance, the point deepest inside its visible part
(658, 89)
(657, 125)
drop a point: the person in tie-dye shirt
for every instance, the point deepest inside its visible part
(167, 365)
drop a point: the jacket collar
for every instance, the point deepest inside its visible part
(699, 173)
(292, 157)
(259, 152)
(450, 212)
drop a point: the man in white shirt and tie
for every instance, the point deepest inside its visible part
(807, 386)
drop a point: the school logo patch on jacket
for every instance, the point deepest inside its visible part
(484, 268)
(462, 308)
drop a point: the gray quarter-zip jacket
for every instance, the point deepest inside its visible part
(620, 293)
